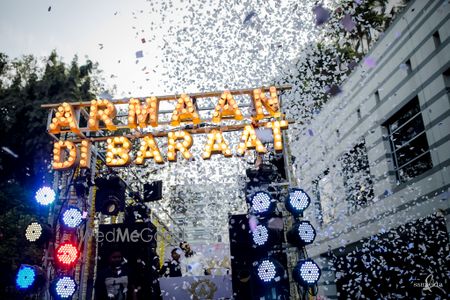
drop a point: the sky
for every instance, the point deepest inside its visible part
(187, 46)
(165, 47)
(102, 30)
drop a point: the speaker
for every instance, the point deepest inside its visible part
(153, 191)
(136, 244)
(110, 195)
(244, 256)
(241, 258)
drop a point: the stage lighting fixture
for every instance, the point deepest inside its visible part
(297, 201)
(25, 277)
(45, 195)
(306, 273)
(33, 231)
(72, 217)
(266, 270)
(38, 233)
(301, 234)
(111, 205)
(260, 235)
(269, 271)
(67, 254)
(64, 287)
(110, 195)
(262, 203)
(30, 278)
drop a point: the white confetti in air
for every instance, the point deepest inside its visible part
(10, 152)
(252, 222)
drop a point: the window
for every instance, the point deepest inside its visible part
(358, 183)
(446, 75)
(436, 39)
(325, 197)
(408, 66)
(328, 193)
(408, 140)
(377, 97)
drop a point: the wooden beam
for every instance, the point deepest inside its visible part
(248, 91)
(195, 130)
(164, 123)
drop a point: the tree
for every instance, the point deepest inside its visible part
(370, 20)
(323, 66)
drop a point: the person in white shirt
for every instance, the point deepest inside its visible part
(194, 263)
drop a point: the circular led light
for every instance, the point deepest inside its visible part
(301, 234)
(67, 254)
(261, 203)
(297, 201)
(65, 287)
(260, 235)
(266, 270)
(72, 217)
(33, 231)
(306, 232)
(307, 272)
(25, 277)
(45, 195)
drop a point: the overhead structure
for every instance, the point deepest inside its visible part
(84, 138)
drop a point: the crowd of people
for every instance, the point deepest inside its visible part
(117, 280)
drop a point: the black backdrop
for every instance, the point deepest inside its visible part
(243, 256)
(137, 243)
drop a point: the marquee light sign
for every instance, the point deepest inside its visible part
(101, 114)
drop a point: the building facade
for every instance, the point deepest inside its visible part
(376, 164)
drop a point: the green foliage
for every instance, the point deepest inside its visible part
(23, 121)
(370, 19)
(323, 66)
(17, 213)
